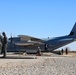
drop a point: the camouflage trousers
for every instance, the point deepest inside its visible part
(4, 50)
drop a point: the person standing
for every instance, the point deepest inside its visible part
(66, 51)
(62, 51)
(0, 42)
(4, 44)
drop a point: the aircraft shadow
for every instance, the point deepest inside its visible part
(16, 57)
(56, 52)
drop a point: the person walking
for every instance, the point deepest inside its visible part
(4, 45)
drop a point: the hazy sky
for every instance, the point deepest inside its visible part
(38, 18)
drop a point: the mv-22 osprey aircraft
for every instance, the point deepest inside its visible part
(30, 44)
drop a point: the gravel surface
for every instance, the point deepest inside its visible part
(39, 66)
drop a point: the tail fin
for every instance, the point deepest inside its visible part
(73, 32)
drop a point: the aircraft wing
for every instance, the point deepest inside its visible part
(24, 44)
(28, 44)
(30, 38)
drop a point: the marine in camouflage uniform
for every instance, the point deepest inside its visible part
(4, 44)
(0, 43)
